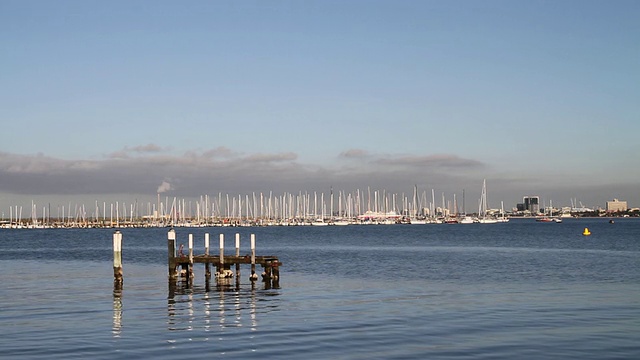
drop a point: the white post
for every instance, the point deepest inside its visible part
(117, 257)
(253, 249)
(253, 275)
(190, 266)
(191, 248)
(221, 249)
(171, 242)
(207, 270)
(237, 255)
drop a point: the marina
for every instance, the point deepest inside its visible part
(368, 207)
(515, 290)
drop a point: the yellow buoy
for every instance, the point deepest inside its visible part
(586, 232)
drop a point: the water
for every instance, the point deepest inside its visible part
(516, 290)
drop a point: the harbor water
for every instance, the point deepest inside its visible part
(518, 290)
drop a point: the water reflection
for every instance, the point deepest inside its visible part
(117, 309)
(219, 305)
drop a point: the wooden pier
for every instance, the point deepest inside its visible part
(180, 263)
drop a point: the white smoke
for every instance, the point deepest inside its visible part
(165, 186)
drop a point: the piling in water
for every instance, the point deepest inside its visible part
(238, 255)
(207, 266)
(190, 267)
(253, 275)
(117, 259)
(171, 241)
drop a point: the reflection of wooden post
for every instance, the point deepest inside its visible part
(117, 310)
(117, 258)
(253, 276)
(207, 266)
(171, 242)
(237, 255)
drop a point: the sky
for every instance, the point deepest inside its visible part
(123, 100)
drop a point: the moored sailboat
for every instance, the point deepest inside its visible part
(483, 217)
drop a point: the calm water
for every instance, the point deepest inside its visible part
(517, 290)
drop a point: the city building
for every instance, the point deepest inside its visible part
(616, 205)
(531, 204)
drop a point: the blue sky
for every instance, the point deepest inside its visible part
(111, 99)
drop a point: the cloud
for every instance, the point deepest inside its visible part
(164, 187)
(223, 170)
(267, 158)
(354, 153)
(433, 162)
(149, 148)
(437, 160)
(219, 152)
(40, 164)
(127, 151)
(202, 172)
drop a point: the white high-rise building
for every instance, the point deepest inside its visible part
(616, 205)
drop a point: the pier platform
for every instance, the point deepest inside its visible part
(181, 262)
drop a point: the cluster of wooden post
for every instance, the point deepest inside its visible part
(223, 270)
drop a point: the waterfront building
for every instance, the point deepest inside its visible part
(616, 205)
(531, 204)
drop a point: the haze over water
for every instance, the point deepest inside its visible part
(516, 290)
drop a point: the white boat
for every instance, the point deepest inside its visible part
(487, 221)
(466, 220)
(483, 218)
(319, 222)
(548, 218)
(503, 218)
(341, 222)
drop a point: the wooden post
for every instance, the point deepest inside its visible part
(253, 275)
(237, 255)
(276, 273)
(171, 242)
(266, 275)
(207, 266)
(190, 267)
(221, 267)
(117, 258)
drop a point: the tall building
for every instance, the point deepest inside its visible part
(616, 205)
(532, 204)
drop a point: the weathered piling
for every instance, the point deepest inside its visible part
(253, 275)
(171, 241)
(207, 266)
(190, 267)
(276, 272)
(117, 259)
(221, 263)
(237, 254)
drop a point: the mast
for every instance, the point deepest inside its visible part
(464, 209)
